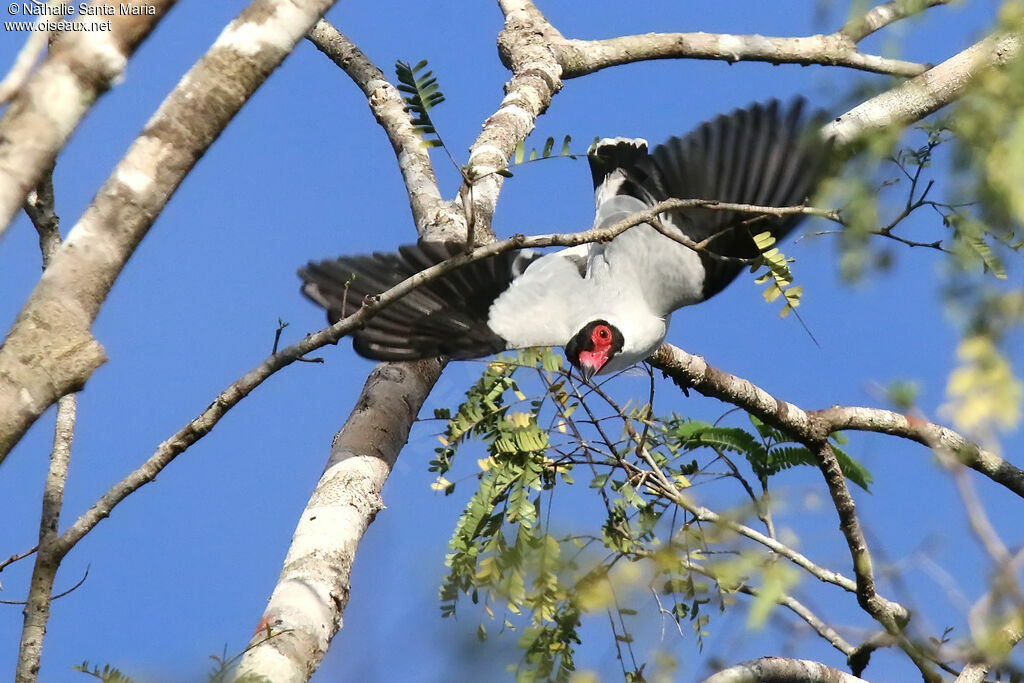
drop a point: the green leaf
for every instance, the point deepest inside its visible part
(423, 94)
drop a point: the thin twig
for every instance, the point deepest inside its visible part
(40, 208)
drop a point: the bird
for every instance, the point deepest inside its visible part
(608, 305)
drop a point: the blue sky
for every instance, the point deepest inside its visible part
(185, 565)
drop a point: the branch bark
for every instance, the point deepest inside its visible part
(693, 371)
(50, 351)
(782, 670)
(40, 208)
(927, 93)
(81, 66)
(582, 57)
(433, 215)
(880, 16)
(308, 602)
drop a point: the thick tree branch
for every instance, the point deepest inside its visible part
(782, 670)
(81, 66)
(925, 94)
(311, 594)
(26, 59)
(432, 214)
(582, 57)
(880, 16)
(524, 46)
(693, 371)
(927, 434)
(310, 597)
(50, 351)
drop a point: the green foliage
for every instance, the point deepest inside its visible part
(422, 94)
(777, 274)
(547, 152)
(107, 674)
(506, 558)
(989, 123)
(984, 394)
(769, 451)
(222, 671)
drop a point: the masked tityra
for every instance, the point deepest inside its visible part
(607, 304)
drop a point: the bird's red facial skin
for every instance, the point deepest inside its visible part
(601, 338)
(593, 360)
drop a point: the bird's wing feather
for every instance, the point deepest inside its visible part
(763, 155)
(445, 316)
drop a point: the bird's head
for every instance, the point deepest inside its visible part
(593, 346)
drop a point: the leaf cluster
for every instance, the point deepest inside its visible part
(777, 274)
(505, 557)
(767, 449)
(422, 93)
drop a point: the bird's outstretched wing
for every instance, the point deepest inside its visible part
(446, 316)
(764, 155)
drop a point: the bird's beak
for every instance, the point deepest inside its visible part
(590, 363)
(587, 371)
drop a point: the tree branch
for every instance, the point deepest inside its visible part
(310, 597)
(312, 592)
(790, 603)
(81, 66)
(27, 56)
(693, 372)
(925, 94)
(880, 16)
(782, 670)
(40, 207)
(432, 214)
(582, 57)
(524, 46)
(50, 351)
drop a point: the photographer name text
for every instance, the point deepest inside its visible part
(84, 9)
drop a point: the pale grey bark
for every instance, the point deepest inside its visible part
(50, 351)
(433, 215)
(40, 208)
(581, 57)
(782, 670)
(927, 93)
(80, 67)
(880, 16)
(306, 607)
(49, 553)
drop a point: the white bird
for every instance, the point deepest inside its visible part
(608, 304)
